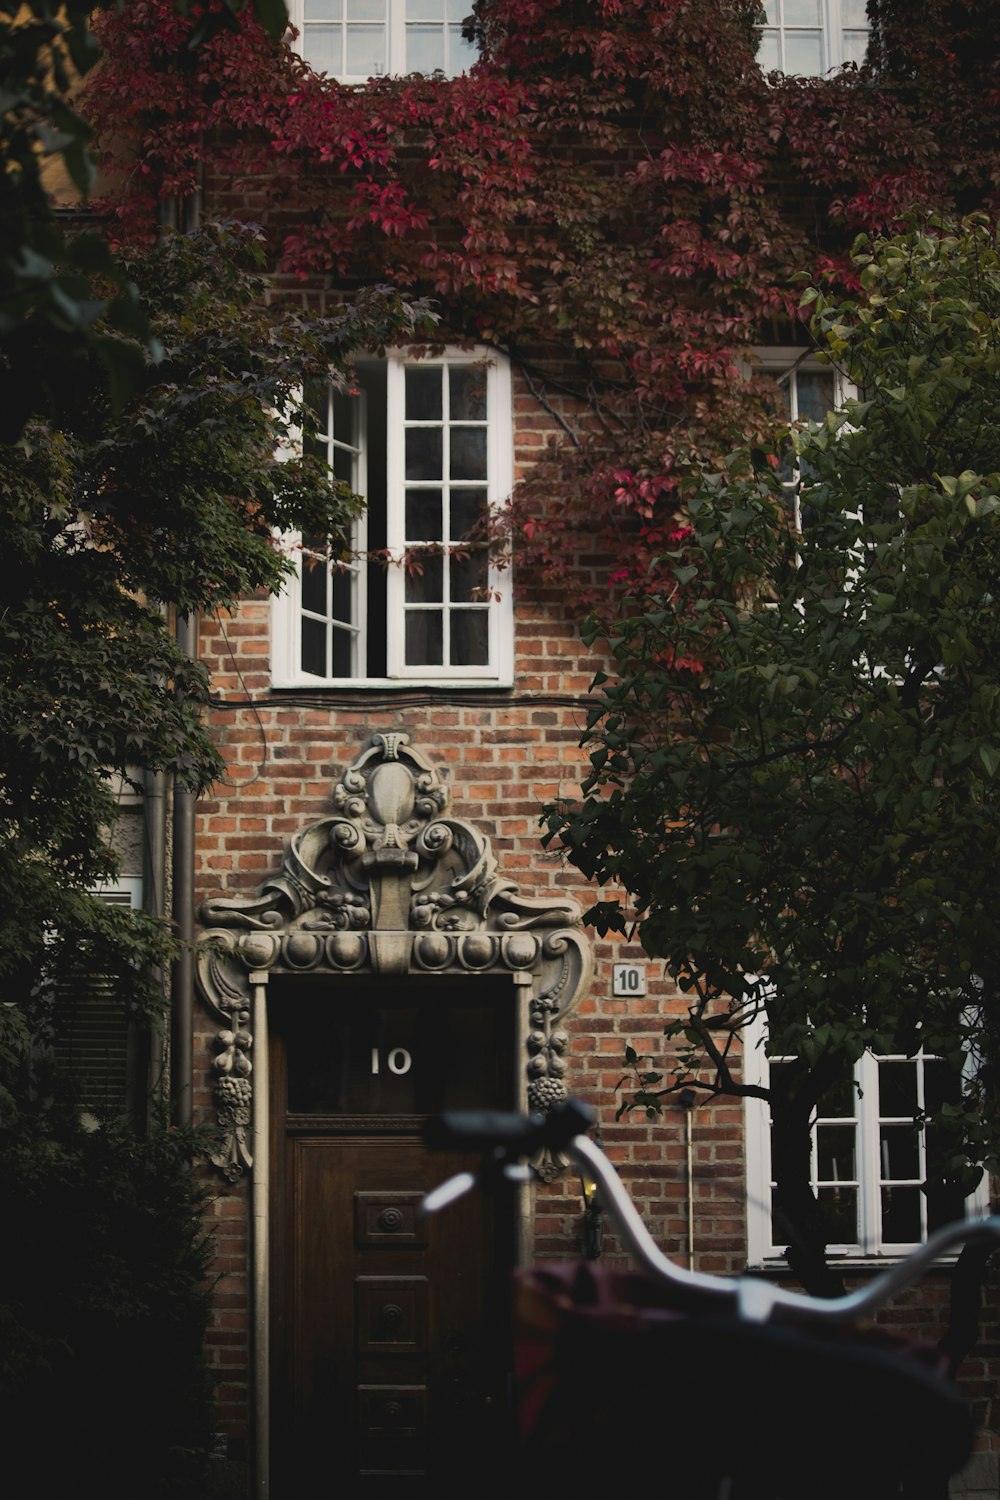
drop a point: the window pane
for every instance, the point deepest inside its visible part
(779, 1227)
(424, 638)
(900, 1152)
(855, 46)
(343, 465)
(467, 391)
(423, 516)
(468, 512)
(343, 595)
(343, 663)
(897, 1085)
(771, 14)
(804, 53)
(345, 413)
(468, 576)
(942, 1085)
(840, 1101)
(423, 453)
(365, 51)
(814, 389)
(854, 13)
(424, 49)
(801, 13)
(425, 578)
(321, 48)
(461, 53)
(323, 10)
(314, 648)
(470, 645)
(425, 10)
(840, 1210)
(835, 1153)
(366, 10)
(372, 651)
(314, 575)
(423, 393)
(768, 54)
(901, 1215)
(468, 453)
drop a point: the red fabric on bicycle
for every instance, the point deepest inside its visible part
(601, 1357)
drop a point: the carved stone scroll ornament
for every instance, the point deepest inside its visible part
(388, 885)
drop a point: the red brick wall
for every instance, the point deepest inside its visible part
(503, 754)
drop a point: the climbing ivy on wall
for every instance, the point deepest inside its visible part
(615, 195)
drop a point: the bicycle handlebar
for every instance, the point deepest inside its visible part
(507, 1138)
(515, 1135)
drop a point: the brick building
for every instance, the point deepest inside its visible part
(446, 941)
(385, 935)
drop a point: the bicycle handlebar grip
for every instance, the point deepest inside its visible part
(517, 1135)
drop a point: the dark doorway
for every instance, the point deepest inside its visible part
(389, 1332)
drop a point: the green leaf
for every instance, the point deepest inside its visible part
(990, 757)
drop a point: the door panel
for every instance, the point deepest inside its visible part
(389, 1331)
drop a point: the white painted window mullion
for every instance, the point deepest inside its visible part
(396, 518)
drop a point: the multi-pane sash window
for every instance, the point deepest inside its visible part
(809, 37)
(428, 445)
(810, 390)
(871, 1158)
(355, 40)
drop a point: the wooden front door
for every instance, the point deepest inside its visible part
(389, 1330)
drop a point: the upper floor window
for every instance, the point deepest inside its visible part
(428, 444)
(809, 37)
(354, 40)
(810, 389)
(872, 1157)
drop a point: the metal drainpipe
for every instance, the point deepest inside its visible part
(688, 1100)
(182, 873)
(155, 901)
(184, 215)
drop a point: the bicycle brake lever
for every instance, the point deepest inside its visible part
(447, 1192)
(456, 1187)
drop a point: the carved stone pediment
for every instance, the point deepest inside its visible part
(388, 884)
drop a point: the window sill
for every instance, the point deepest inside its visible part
(393, 684)
(777, 1269)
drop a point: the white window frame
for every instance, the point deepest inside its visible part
(784, 363)
(834, 20)
(125, 891)
(762, 1250)
(286, 665)
(395, 25)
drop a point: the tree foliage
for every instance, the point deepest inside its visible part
(110, 521)
(795, 760)
(64, 298)
(618, 199)
(104, 1304)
